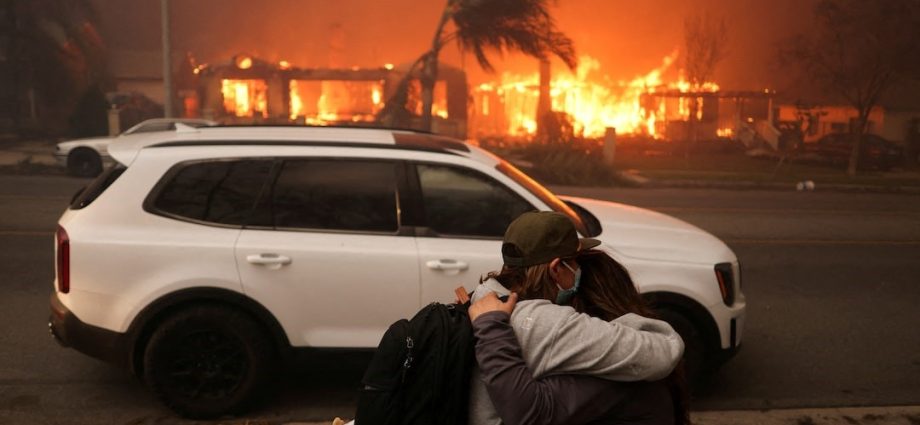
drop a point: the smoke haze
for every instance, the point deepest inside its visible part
(627, 37)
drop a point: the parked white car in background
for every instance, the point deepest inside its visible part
(88, 157)
(203, 256)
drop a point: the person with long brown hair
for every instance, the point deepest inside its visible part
(546, 361)
(608, 293)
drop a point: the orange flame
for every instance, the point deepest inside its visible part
(594, 102)
(330, 102)
(245, 98)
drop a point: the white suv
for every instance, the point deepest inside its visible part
(205, 255)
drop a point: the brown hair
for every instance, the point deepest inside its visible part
(607, 292)
(530, 283)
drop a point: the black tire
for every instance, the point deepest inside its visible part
(694, 344)
(208, 361)
(84, 162)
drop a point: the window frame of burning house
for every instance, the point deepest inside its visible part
(331, 179)
(257, 97)
(465, 225)
(306, 100)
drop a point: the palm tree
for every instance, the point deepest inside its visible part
(479, 26)
(54, 49)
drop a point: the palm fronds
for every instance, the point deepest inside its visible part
(510, 25)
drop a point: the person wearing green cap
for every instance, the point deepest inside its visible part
(554, 342)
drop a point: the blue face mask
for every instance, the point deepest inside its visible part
(564, 297)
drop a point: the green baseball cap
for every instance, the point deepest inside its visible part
(540, 236)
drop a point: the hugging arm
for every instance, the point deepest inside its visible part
(520, 398)
(559, 340)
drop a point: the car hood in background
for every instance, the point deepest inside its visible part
(645, 234)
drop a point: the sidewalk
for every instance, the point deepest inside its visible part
(897, 415)
(28, 152)
(754, 185)
(743, 171)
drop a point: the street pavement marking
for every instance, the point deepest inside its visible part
(819, 242)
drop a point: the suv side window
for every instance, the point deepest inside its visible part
(463, 202)
(332, 194)
(222, 192)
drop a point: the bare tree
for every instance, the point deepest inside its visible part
(479, 26)
(705, 45)
(858, 51)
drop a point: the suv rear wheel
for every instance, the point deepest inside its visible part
(208, 361)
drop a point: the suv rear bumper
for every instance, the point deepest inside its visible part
(68, 330)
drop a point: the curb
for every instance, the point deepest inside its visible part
(752, 185)
(634, 179)
(25, 153)
(893, 415)
(889, 415)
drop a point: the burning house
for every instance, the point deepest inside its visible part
(658, 105)
(248, 90)
(650, 105)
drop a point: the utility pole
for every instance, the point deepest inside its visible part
(167, 60)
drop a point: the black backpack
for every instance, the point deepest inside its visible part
(421, 371)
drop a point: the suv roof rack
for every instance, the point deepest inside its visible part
(405, 143)
(292, 136)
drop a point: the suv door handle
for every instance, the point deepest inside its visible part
(447, 264)
(272, 261)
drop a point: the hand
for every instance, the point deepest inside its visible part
(460, 295)
(490, 302)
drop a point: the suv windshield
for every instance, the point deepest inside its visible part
(543, 194)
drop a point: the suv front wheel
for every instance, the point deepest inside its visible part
(208, 361)
(694, 344)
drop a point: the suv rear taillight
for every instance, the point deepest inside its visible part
(726, 282)
(63, 260)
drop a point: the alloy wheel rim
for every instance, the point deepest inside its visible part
(207, 364)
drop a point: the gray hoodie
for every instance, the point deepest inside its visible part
(558, 340)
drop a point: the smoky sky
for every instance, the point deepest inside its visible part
(629, 38)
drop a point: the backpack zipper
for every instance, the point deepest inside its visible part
(408, 363)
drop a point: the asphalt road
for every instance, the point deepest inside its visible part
(832, 282)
